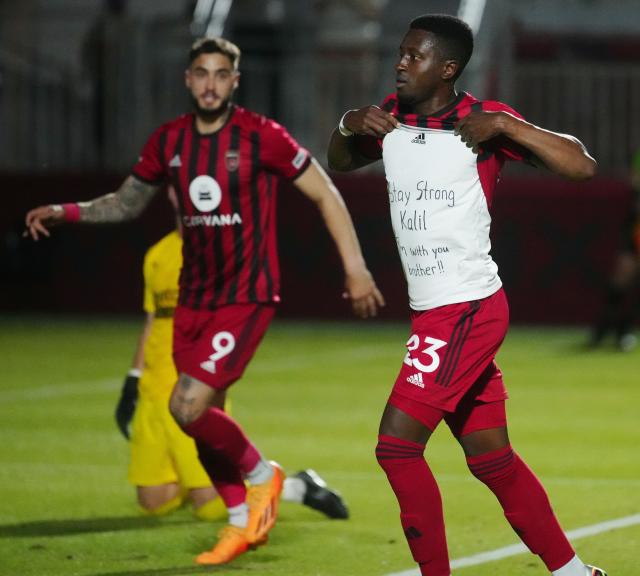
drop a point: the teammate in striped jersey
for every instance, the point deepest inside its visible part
(442, 152)
(223, 160)
(163, 464)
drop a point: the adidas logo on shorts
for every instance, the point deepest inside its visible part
(419, 139)
(416, 379)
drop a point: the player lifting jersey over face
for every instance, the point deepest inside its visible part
(442, 151)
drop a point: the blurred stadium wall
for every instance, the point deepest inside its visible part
(82, 86)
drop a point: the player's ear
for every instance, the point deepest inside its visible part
(187, 78)
(449, 69)
(236, 80)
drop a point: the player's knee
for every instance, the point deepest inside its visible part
(185, 409)
(494, 468)
(159, 500)
(178, 411)
(189, 400)
(393, 453)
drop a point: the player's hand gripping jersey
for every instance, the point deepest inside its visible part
(226, 193)
(440, 192)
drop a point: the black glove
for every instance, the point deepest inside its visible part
(127, 404)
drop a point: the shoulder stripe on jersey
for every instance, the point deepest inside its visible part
(178, 148)
(456, 342)
(201, 264)
(254, 138)
(234, 194)
(218, 248)
(175, 177)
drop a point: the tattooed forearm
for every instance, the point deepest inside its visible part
(125, 204)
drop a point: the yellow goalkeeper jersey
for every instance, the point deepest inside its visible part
(162, 264)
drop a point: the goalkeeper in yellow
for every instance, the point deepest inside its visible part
(164, 465)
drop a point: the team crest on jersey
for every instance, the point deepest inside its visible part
(232, 160)
(205, 193)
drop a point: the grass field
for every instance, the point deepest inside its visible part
(311, 398)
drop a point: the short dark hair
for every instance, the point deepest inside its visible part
(213, 46)
(455, 38)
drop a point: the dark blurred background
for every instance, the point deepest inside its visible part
(84, 82)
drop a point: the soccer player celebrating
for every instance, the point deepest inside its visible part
(442, 152)
(164, 465)
(221, 160)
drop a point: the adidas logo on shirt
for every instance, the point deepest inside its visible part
(416, 379)
(175, 162)
(419, 139)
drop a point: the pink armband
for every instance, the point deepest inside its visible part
(71, 212)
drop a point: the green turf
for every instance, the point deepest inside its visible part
(311, 398)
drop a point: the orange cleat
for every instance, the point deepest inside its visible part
(263, 501)
(232, 541)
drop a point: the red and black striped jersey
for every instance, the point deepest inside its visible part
(227, 200)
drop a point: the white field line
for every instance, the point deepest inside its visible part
(515, 549)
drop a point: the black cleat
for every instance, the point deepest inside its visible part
(321, 498)
(596, 571)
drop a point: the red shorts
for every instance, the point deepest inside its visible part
(451, 354)
(215, 346)
(471, 415)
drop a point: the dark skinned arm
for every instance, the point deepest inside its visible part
(561, 153)
(343, 154)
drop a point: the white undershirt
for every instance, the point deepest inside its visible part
(440, 217)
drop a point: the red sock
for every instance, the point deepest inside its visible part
(525, 503)
(225, 452)
(420, 502)
(226, 477)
